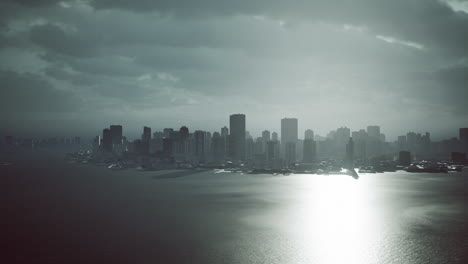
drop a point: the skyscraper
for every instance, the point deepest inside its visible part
(116, 135)
(274, 136)
(373, 132)
(167, 132)
(309, 134)
(237, 136)
(290, 152)
(464, 139)
(199, 144)
(289, 130)
(349, 160)
(145, 141)
(309, 150)
(373, 146)
(266, 135)
(217, 147)
(183, 133)
(224, 131)
(106, 139)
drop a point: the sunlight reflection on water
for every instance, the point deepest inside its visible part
(334, 221)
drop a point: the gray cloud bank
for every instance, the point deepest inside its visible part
(81, 65)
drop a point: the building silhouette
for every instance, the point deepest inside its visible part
(309, 134)
(349, 160)
(309, 150)
(404, 158)
(266, 136)
(237, 136)
(289, 130)
(463, 136)
(116, 135)
(145, 141)
(289, 137)
(106, 139)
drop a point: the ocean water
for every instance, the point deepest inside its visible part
(54, 212)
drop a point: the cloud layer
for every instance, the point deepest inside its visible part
(400, 64)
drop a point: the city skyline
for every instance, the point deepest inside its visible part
(234, 131)
(132, 132)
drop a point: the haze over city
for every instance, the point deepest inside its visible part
(234, 131)
(67, 66)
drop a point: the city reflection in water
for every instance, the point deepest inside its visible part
(334, 221)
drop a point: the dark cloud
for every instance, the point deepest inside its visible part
(26, 92)
(350, 61)
(431, 23)
(54, 38)
(34, 3)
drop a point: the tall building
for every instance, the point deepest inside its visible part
(309, 134)
(116, 134)
(309, 150)
(106, 139)
(217, 147)
(183, 133)
(167, 132)
(373, 132)
(374, 146)
(237, 136)
(274, 136)
(289, 136)
(464, 139)
(401, 143)
(224, 131)
(289, 130)
(341, 140)
(290, 153)
(360, 143)
(199, 145)
(266, 135)
(349, 161)
(145, 141)
(271, 150)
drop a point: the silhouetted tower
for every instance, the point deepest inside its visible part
(266, 136)
(373, 141)
(289, 136)
(199, 144)
(309, 134)
(310, 150)
(106, 139)
(350, 153)
(217, 147)
(274, 136)
(167, 132)
(183, 133)
(224, 131)
(464, 139)
(116, 135)
(289, 129)
(290, 153)
(145, 140)
(237, 136)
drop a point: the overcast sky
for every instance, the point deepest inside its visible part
(74, 67)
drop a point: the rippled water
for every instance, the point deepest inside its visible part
(72, 213)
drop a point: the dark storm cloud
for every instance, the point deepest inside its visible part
(153, 59)
(34, 3)
(55, 39)
(432, 23)
(30, 93)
